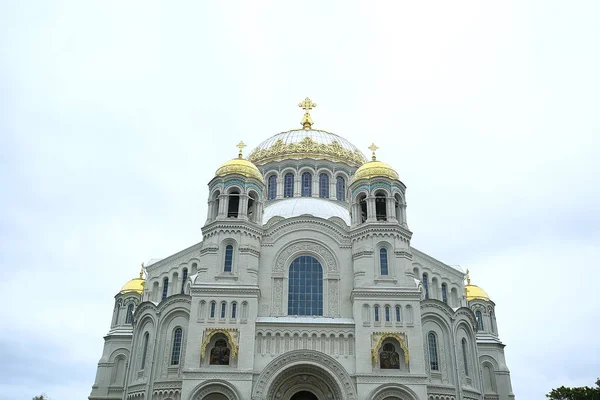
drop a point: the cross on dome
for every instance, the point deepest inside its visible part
(240, 146)
(307, 105)
(373, 148)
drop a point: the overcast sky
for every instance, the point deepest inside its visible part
(115, 115)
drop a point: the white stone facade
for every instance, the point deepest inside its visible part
(238, 340)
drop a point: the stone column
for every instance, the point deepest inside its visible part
(371, 214)
(279, 193)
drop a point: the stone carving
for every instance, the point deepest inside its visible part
(334, 309)
(309, 247)
(215, 387)
(277, 296)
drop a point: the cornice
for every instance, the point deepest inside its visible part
(234, 224)
(378, 229)
(418, 254)
(280, 228)
(183, 253)
(382, 293)
(200, 289)
(182, 299)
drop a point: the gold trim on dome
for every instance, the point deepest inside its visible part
(230, 333)
(241, 167)
(377, 341)
(373, 169)
(307, 147)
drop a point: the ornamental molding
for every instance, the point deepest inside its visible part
(381, 229)
(469, 316)
(240, 182)
(232, 226)
(377, 339)
(228, 376)
(232, 335)
(287, 253)
(368, 294)
(303, 358)
(436, 305)
(180, 299)
(162, 385)
(202, 289)
(183, 254)
(280, 228)
(307, 148)
(406, 379)
(377, 183)
(420, 256)
(249, 249)
(209, 249)
(215, 386)
(331, 166)
(393, 390)
(403, 254)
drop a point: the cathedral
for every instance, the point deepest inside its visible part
(304, 287)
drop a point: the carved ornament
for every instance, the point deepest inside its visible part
(377, 339)
(232, 337)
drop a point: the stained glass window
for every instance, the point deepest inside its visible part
(176, 351)
(324, 186)
(305, 295)
(433, 355)
(272, 190)
(383, 261)
(340, 188)
(306, 184)
(288, 185)
(228, 258)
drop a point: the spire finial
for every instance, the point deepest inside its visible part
(468, 277)
(307, 105)
(373, 148)
(142, 271)
(240, 146)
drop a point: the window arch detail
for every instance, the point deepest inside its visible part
(272, 187)
(433, 351)
(383, 262)
(306, 185)
(176, 348)
(129, 315)
(324, 186)
(305, 294)
(288, 185)
(479, 318)
(228, 262)
(340, 188)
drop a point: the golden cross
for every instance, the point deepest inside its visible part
(240, 146)
(307, 105)
(372, 147)
(142, 271)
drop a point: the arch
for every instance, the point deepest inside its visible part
(489, 378)
(129, 315)
(228, 260)
(383, 262)
(215, 386)
(212, 310)
(322, 253)
(295, 363)
(305, 294)
(165, 289)
(376, 312)
(223, 310)
(272, 187)
(288, 185)
(234, 310)
(366, 314)
(445, 293)
(479, 319)
(145, 349)
(426, 285)
(306, 184)
(398, 204)
(176, 346)
(252, 210)
(340, 188)
(398, 314)
(465, 354)
(387, 315)
(392, 391)
(324, 185)
(233, 202)
(184, 276)
(215, 200)
(363, 214)
(432, 345)
(409, 315)
(380, 206)
(118, 370)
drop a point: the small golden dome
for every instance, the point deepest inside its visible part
(474, 292)
(374, 169)
(134, 285)
(241, 167)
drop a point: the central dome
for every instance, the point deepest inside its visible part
(296, 206)
(303, 143)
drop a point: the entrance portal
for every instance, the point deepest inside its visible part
(304, 395)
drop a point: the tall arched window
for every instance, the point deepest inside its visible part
(228, 258)
(380, 206)
(234, 204)
(223, 309)
(324, 186)
(129, 315)
(433, 352)
(376, 313)
(306, 184)
(362, 204)
(184, 276)
(305, 295)
(340, 188)
(233, 310)
(145, 349)
(387, 314)
(272, 189)
(383, 261)
(465, 358)
(398, 314)
(165, 288)
(213, 306)
(479, 320)
(426, 285)
(176, 349)
(288, 185)
(444, 293)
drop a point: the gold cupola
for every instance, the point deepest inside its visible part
(240, 166)
(135, 285)
(374, 169)
(474, 292)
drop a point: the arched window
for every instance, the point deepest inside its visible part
(383, 261)
(233, 310)
(234, 204)
(252, 207)
(194, 268)
(288, 185)
(398, 314)
(272, 190)
(479, 320)
(389, 357)
(165, 288)
(176, 349)
(215, 205)
(213, 306)
(129, 315)
(362, 204)
(340, 188)
(465, 358)
(184, 276)
(228, 258)
(433, 353)
(380, 206)
(324, 186)
(376, 313)
(444, 293)
(145, 350)
(387, 314)
(426, 285)
(305, 295)
(397, 209)
(306, 184)
(223, 309)
(492, 322)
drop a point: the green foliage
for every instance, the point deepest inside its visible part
(578, 393)
(40, 397)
